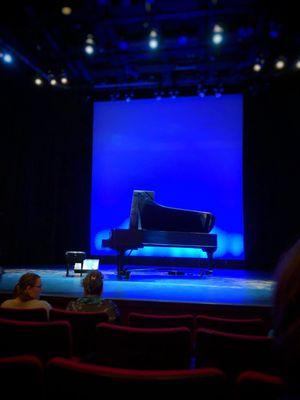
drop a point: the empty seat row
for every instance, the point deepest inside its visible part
(141, 348)
(76, 380)
(249, 326)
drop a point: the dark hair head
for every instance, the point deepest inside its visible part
(287, 293)
(93, 283)
(20, 290)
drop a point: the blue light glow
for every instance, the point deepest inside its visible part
(188, 150)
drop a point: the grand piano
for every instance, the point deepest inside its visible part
(152, 224)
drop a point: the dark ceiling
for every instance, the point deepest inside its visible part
(45, 42)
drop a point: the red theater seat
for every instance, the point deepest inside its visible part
(24, 314)
(79, 380)
(43, 339)
(249, 326)
(22, 377)
(233, 353)
(143, 348)
(83, 327)
(256, 385)
(139, 320)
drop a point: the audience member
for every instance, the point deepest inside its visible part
(287, 319)
(27, 293)
(92, 300)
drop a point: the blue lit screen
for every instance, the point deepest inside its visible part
(187, 150)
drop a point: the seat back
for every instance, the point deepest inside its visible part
(233, 353)
(160, 321)
(249, 326)
(83, 327)
(80, 380)
(22, 376)
(24, 314)
(43, 339)
(142, 348)
(256, 385)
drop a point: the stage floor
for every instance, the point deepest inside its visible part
(224, 286)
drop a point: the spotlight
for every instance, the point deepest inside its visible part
(38, 81)
(53, 82)
(217, 38)
(90, 39)
(66, 10)
(89, 49)
(153, 33)
(257, 67)
(64, 80)
(153, 39)
(280, 64)
(297, 64)
(7, 58)
(153, 44)
(218, 28)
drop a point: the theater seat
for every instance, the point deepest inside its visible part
(249, 326)
(22, 377)
(143, 348)
(43, 339)
(233, 353)
(256, 385)
(74, 380)
(140, 320)
(83, 327)
(24, 314)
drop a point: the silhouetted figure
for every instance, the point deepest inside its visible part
(287, 319)
(91, 301)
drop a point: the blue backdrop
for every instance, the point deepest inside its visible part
(188, 150)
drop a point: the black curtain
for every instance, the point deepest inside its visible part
(45, 173)
(46, 152)
(271, 171)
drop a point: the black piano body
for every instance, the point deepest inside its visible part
(152, 224)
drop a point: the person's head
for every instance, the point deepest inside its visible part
(93, 283)
(287, 294)
(29, 287)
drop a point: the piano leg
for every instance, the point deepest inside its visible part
(210, 262)
(120, 263)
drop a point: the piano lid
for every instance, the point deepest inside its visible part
(146, 214)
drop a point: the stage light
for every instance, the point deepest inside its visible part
(217, 38)
(7, 58)
(218, 28)
(53, 82)
(89, 49)
(280, 64)
(153, 33)
(38, 81)
(153, 39)
(257, 67)
(90, 39)
(66, 10)
(297, 64)
(64, 80)
(153, 44)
